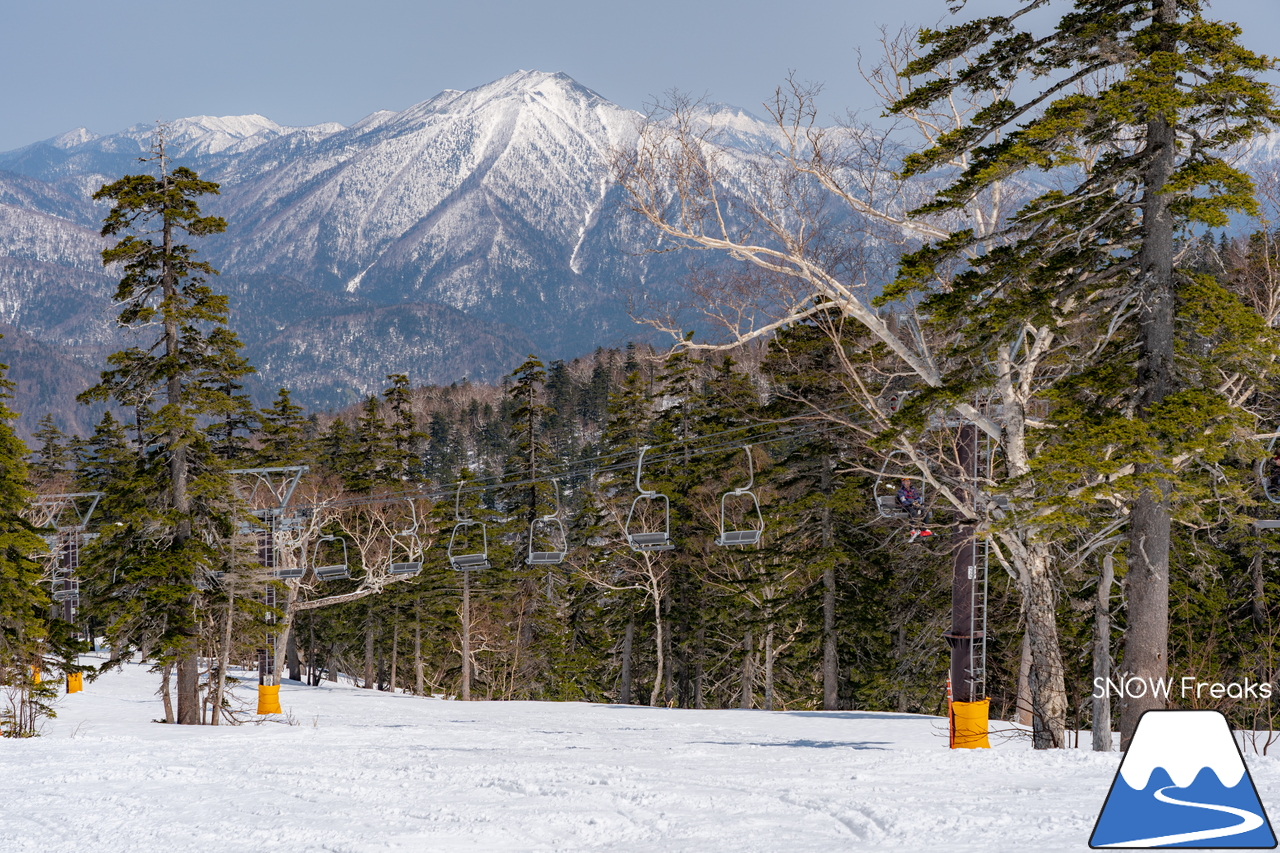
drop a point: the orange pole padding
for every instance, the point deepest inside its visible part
(75, 682)
(969, 724)
(269, 699)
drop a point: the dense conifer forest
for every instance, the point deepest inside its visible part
(838, 607)
(1034, 316)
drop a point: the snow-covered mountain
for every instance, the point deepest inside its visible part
(447, 239)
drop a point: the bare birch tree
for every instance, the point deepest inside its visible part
(817, 223)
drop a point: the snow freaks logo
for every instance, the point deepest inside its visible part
(1183, 783)
(1134, 687)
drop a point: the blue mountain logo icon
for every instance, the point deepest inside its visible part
(1183, 783)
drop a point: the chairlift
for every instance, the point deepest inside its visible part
(553, 522)
(410, 566)
(750, 536)
(655, 540)
(465, 562)
(335, 572)
(887, 504)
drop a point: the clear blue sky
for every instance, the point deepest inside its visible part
(102, 64)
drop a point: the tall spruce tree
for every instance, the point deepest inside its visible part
(1139, 101)
(53, 455)
(402, 432)
(529, 452)
(154, 560)
(27, 643)
(283, 433)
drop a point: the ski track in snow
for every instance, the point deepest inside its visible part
(369, 771)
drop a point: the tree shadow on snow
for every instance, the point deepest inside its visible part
(808, 744)
(862, 715)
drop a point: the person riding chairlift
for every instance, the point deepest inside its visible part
(909, 500)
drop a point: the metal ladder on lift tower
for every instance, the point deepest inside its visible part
(978, 617)
(978, 573)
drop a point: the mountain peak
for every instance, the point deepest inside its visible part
(526, 83)
(72, 138)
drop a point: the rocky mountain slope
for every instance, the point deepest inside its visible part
(446, 240)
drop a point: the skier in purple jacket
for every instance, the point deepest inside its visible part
(909, 499)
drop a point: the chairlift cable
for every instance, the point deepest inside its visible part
(482, 484)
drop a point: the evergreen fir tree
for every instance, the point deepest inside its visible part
(529, 453)
(232, 414)
(105, 457)
(53, 455)
(186, 367)
(336, 447)
(1172, 93)
(595, 397)
(283, 433)
(368, 465)
(29, 643)
(402, 432)
(628, 416)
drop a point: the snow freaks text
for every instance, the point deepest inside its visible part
(1190, 687)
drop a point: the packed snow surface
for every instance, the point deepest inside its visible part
(360, 770)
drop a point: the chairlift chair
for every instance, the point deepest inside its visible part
(289, 573)
(750, 536)
(887, 504)
(337, 571)
(410, 566)
(653, 540)
(553, 557)
(470, 561)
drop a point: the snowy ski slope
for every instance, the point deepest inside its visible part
(368, 771)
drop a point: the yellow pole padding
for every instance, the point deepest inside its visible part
(35, 673)
(75, 682)
(969, 724)
(269, 700)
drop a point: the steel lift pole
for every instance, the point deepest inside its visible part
(967, 634)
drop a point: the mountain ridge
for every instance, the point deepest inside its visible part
(485, 214)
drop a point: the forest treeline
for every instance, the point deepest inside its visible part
(838, 607)
(698, 626)
(1014, 298)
